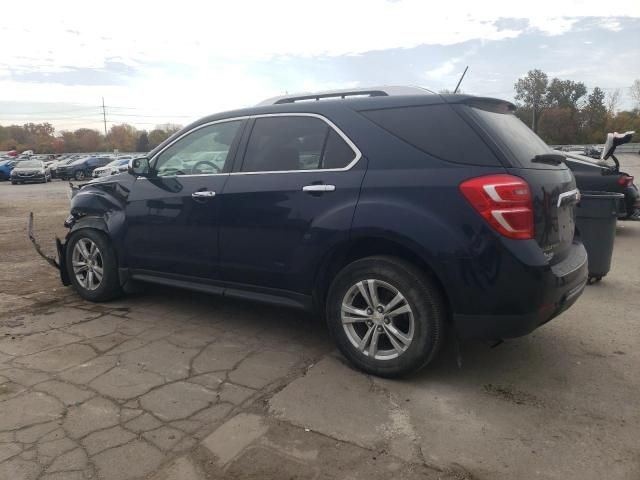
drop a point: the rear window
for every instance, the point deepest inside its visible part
(437, 130)
(517, 140)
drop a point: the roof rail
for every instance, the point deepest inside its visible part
(386, 91)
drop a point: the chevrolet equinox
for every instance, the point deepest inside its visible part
(393, 212)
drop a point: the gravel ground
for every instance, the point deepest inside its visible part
(170, 384)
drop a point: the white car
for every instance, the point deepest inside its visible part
(117, 166)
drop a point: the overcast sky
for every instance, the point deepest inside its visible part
(155, 64)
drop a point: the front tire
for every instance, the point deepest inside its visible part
(79, 175)
(92, 265)
(386, 316)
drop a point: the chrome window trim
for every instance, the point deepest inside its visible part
(354, 148)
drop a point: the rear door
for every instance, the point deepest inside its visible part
(525, 155)
(291, 198)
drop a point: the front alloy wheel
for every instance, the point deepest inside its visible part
(377, 319)
(79, 175)
(92, 265)
(87, 264)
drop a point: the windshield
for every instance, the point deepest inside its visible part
(30, 164)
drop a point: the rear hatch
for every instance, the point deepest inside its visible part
(525, 155)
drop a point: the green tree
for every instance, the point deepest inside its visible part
(594, 117)
(532, 92)
(565, 93)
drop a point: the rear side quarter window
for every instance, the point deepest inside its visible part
(437, 130)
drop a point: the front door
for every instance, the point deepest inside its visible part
(293, 196)
(173, 215)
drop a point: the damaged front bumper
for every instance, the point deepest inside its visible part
(59, 262)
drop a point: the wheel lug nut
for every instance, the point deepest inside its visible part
(387, 320)
(379, 328)
(369, 311)
(369, 323)
(380, 309)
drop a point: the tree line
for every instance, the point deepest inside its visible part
(565, 112)
(560, 111)
(41, 138)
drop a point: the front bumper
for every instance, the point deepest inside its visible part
(58, 262)
(26, 179)
(555, 290)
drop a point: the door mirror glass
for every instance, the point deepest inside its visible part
(139, 167)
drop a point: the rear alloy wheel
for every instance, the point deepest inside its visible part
(79, 175)
(377, 319)
(387, 317)
(91, 265)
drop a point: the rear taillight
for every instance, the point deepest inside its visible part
(504, 201)
(625, 180)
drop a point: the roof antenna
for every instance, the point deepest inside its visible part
(461, 77)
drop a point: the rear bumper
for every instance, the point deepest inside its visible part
(553, 291)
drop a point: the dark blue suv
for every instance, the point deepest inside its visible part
(395, 213)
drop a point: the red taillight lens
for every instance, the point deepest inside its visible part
(625, 180)
(504, 201)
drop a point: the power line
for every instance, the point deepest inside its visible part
(148, 116)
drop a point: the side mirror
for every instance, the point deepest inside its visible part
(139, 167)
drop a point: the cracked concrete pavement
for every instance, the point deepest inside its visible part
(175, 385)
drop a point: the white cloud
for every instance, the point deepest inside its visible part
(203, 51)
(443, 70)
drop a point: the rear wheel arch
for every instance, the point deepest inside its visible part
(364, 247)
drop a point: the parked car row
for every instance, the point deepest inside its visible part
(65, 167)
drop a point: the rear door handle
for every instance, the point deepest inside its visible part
(205, 194)
(318, 188)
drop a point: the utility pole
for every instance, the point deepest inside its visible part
(104, 117)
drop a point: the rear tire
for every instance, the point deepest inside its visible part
(92, 265)
(405, 341)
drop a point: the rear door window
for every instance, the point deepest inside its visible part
(437, 130)
(295, 143)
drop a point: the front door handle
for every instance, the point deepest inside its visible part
(205, 194)
(319, 188)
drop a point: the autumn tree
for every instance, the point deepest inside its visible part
(161, 133)
(122, 137)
